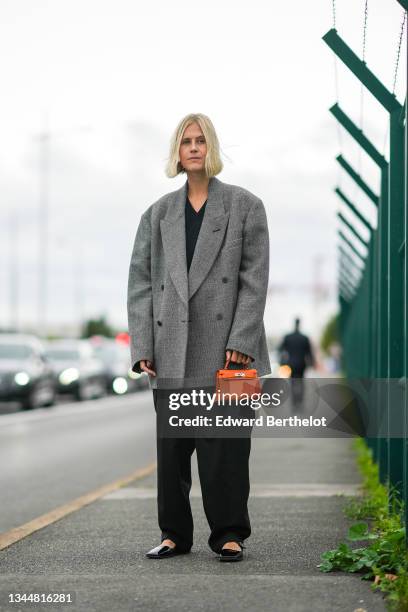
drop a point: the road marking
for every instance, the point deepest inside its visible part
(18, 533)
(257, 491)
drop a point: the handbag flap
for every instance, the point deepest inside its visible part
(237, 374)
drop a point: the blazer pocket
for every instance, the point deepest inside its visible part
(232, 243)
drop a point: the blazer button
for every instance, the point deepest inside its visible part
(224, 279)
(159, 323)
(219, 316)
(162, 287)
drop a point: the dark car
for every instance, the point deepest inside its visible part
(120, 378)
(26, 375)
(78, 370)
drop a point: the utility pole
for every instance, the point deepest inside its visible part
(14, 271)
(78, 263)
(317, 291)
(44, 139)
(43, 213)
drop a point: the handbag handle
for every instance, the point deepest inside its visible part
(244, 365)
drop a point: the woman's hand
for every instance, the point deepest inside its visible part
(147, 366)
(237, 357)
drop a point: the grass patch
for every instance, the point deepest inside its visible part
(380, 526)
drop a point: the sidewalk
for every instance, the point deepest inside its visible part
(296, 514)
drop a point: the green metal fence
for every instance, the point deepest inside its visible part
(373, 273)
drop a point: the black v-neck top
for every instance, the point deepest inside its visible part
(193, 225)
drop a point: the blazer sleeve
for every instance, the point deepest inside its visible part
(253, 281)
(139, 297)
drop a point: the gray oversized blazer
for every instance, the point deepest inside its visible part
(184, 322)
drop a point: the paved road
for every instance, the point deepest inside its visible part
(49, 456)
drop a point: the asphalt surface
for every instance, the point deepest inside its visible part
(50, 456)
(98, 552)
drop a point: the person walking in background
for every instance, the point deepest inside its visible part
(198, 281)
(296, 352)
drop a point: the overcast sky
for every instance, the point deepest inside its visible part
(111, 80)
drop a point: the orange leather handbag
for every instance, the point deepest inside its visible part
(243, 382)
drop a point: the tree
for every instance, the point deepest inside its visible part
(97, 327)
(330, 334)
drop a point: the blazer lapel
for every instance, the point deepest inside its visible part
(209, 240)
(211, 235)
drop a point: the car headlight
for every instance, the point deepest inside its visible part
(120, 385)
(21, 378)
(68, 376)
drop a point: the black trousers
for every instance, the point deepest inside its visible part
(223, 466)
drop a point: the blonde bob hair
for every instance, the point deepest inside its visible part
(213, 163)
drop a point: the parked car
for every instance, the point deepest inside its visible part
(78, 370)
(26, 375)
(120, 378)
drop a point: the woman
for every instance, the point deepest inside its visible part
(197, 288)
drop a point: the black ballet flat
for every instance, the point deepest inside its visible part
(162, 551)
(228, 554)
